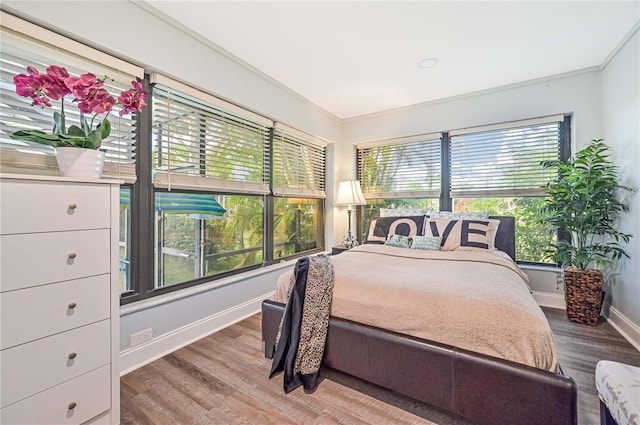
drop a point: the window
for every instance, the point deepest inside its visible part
(220, 155)
(299, 163)
(297, 225)
(400, 168)
(493, 168)
(497, 169)
(24, 44)
(198, 237)
(231, 191)
(124, 242)
(399, 173)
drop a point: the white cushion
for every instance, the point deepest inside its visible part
(618, 387)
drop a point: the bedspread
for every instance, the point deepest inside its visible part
(476, 301)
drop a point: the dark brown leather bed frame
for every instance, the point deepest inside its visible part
(481, 388)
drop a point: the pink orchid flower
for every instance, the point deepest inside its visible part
(132, 100)
(90, 97)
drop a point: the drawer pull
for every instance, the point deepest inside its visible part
(72, 356)
(72, 306)
(73, 206)
(72, 255)
(72, 405)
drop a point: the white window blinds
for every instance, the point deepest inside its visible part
(298, 163)
(400, 168)
(23, 44)
(203, 142)
(504, 160)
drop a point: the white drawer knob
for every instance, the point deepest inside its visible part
(72, 206)
(72, 255)
(72, 356)
(72, 405)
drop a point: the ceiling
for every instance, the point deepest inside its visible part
(357, 58)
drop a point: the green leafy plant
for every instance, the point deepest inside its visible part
(585, 201)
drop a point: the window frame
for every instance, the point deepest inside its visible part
(446, 199)
(143, 235)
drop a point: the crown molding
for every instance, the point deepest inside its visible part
(472, 94)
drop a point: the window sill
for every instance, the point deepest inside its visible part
(540, 267)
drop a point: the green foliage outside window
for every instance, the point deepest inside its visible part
(531, 238)
(235, 241)
(227, 243)
(297, 225)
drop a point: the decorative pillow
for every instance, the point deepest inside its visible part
(464, 216)
(404, 212)
(427, 243)
(399, 241)
(464, 235)
(407, 226)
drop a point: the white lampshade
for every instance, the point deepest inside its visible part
(349, 193)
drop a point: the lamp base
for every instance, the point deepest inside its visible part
(349, 241)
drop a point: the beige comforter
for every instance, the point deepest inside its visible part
(472, 300)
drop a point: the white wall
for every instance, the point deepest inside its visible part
(576, 93)
(621, 130)
(180, 318)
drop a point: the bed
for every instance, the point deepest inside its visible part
(458, 342)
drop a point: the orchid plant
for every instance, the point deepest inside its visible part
(91, 98)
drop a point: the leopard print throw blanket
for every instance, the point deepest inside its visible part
(303, 329)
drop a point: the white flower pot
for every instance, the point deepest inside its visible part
(80, 162)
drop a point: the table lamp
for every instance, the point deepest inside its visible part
(349, 193)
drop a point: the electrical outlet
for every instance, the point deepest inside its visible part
(140, 337)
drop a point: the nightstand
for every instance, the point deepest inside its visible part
(335, 250)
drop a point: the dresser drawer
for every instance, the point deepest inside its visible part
(89, 395)
(33, 313)
(30, 368)
(38, 258)
(28, 206)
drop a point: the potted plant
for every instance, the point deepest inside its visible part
(586, 202)
(77, 143)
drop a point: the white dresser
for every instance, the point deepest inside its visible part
(59, 300)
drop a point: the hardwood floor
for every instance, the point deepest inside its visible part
(222, 379)
(580, 347)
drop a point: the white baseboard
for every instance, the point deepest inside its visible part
(625, 327)
(546, 299)
(135, 357)
(629, 330)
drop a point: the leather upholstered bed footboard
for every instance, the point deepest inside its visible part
(474, 386)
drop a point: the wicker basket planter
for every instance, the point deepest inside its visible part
(583, 295)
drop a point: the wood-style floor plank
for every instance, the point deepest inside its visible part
(580, 347)
(222, 379)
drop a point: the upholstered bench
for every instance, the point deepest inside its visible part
(618, 387)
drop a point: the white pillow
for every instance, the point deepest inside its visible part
(459, 215)
(404, 212)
